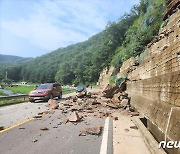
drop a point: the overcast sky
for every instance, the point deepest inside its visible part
(31, 28)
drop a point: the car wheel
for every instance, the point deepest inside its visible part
(60, 95)
(32, 100)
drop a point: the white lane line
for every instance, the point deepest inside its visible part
(104, 142)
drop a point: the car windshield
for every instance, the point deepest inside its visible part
(80, 88)
(45, 86)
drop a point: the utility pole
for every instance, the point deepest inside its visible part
(6, 74)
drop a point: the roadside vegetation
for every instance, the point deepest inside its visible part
(2, 93)
(20, 89)
(12, 101)
(67, 90)
(27, 89)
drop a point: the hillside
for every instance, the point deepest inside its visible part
(83, 62)
(9, 59)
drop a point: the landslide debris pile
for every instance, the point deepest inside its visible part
(99, 104)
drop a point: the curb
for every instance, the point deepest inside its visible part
(150, 141)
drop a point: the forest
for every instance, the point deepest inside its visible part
(82, 63)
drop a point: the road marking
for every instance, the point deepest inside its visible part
(13, 126)
(104, 142)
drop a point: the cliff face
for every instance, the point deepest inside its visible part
(154, 85)
(104, 76)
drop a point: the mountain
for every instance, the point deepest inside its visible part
(82, 63)
(9, 59)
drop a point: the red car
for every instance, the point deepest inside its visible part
(45, 92)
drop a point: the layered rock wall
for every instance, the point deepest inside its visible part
(154, 85)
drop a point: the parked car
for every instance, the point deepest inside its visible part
(45, 92)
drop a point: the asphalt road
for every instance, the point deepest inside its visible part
(27, 138)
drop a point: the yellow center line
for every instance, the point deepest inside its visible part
(13, 126)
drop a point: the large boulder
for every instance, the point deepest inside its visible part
(110, 90)
(53, 104)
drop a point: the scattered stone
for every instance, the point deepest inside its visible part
(53, 104)
(34, 140)
(133, 127)
(74, 117)
(40, 113)
(74, 99)
(126, 130)
(134, 114)
(81, 94)
(113, 106)
(124, 102)
(115, 118)
(95, 102)
(37, 116)
(96, 130)
(44, 128)
(1, 128)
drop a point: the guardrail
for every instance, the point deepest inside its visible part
(11, 97)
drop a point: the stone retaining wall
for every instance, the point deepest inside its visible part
(154, 85)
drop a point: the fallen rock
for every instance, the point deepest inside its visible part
(115, 118)
(34, 140)
(127, 130)
(96, 130)
(113, 106)
(74, 99)
(134, 114)
(1, 128)
(81, 94)
(44, 128)
(37, 116)
(95, 102)
(133, 127)
(124, 102)
(110, 90)
(53, 104)
(74, 117)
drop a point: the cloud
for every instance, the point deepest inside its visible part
(51, 24)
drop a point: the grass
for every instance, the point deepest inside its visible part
(21, 89)
(2, 93)
(67, 90)
(12, 101)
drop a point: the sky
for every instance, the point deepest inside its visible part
(31, 28)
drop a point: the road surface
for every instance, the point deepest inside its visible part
(24, 134)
